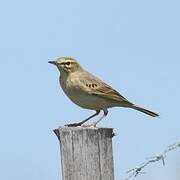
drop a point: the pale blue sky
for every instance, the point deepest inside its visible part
(133, 45)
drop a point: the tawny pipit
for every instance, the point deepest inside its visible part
(87, 91)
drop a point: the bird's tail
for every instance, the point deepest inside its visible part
(148, 112)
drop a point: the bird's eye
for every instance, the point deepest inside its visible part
(68, 63)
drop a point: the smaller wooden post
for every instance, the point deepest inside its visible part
(86, 153)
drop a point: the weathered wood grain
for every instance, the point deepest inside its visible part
(86, 153)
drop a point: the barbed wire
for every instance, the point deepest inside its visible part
(158, 157)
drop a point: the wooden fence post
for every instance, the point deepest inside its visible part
(86, 153)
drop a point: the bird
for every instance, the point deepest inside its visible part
(89, 92)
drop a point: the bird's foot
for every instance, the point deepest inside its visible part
(73, 125)
(81, 125)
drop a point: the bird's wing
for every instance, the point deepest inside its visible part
(97, 87)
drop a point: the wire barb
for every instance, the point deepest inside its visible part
(158, 157)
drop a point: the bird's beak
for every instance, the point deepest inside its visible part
(53, 62)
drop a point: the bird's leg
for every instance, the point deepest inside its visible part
(104, 115)
(82, 122)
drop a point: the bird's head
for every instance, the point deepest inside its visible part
(66, 65)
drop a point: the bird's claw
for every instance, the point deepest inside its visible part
(81, 125)
(73, 125)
